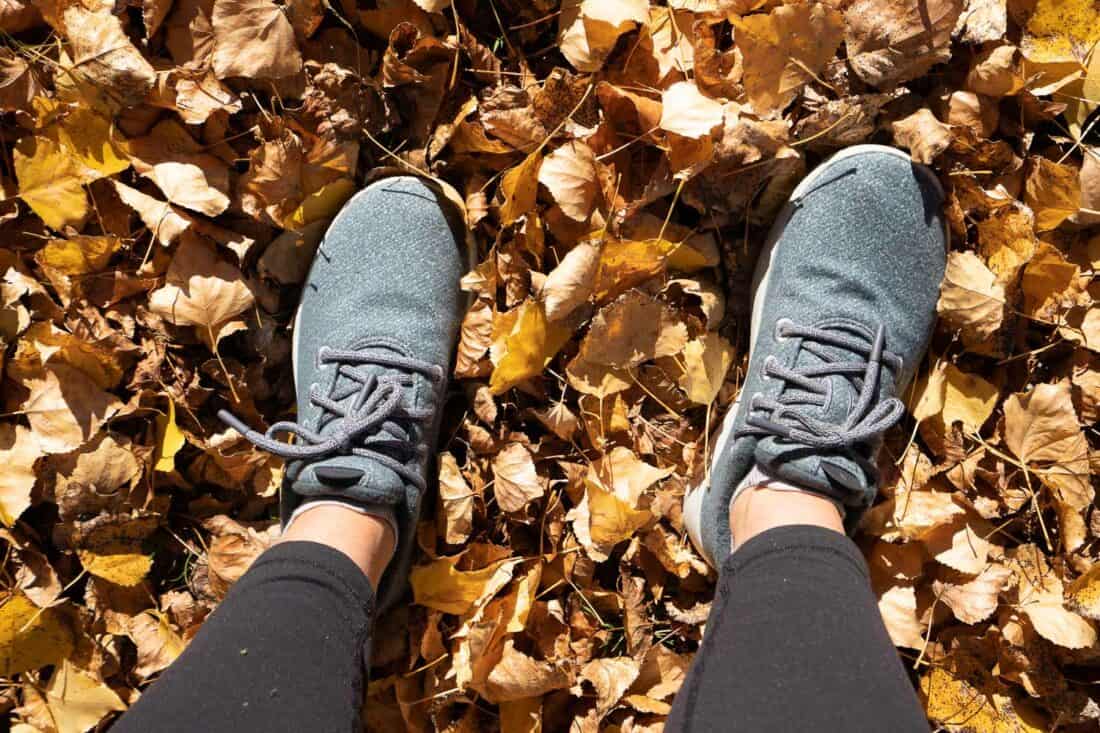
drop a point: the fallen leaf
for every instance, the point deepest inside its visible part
(961, 708)
(1083, 594)
(202, 290)
(31, 637)
(50, 182)
(18, 452)
(706, 361)
(893, 42)
(611, 677)
(924, 135)
(971, 299)
(589, 29)
(785, 49)
(169, 157)
(458, 501)
(66, 408)
(440, 586)
(519, 187)
(157, 642)
(569, 174)
(975, 600)
(898, 606)
(170, 440)
(77, 701)
(686, 112)
(253, 39)
(102, 55)
(515, 482)
(1041, 427)
(611, 520)
(528, 346)
(570, 284)
(1053, 193)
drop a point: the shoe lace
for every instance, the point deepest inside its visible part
(372, 419)
(787, 416)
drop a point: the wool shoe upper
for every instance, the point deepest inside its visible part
(844, 307)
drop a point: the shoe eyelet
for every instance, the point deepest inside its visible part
(320, 359)
(769, 363)
(778, 334)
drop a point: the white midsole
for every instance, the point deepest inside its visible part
(693, 498)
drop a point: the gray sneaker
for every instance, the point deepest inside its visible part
(374, 336)
(844, 304)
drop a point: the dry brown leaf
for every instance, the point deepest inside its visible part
(528, 344)
(253, 39)
(202, 290)
(440, 586)
(971, 299)
(103, 57)
(518, 676)
(31, 637)
(975, 600)
(1041, 427)
(160, 218)
(570, 284)
(18, 452)
(1053, 193)
(784, 50)
(515, 482)
(898, 606)
(686, 112)
(893, 42)
(66, 408)
(611, 677)
(924, 135)
(458, 501)
(569, 174)
(589, 29)
(1083, 594)
(961, 708)
(77, 700)
(169, 157)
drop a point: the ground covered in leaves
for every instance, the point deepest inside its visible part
(169, 166)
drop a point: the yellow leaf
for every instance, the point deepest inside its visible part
(1061, 29)
(625, 263)
(1083, 594)
(519, 188)
(611, 520)
(31, 637)
(170, 441)
(49, 182)
(958, 706)
(440, 586)
(1053, 192)
(117, 563)
(955, 396)
(321, 204)
(78, 702)
(706, 361)
(529, 346)
(521, 716)
(78, 255)
(90, 138)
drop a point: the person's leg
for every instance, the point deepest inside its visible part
(288, 649)
(843, 308)
(373, 341)
(794, 640)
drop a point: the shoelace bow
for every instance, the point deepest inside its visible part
(369, 412)
(786, 416)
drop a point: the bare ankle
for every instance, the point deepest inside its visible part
(758, 509)
(367, 540)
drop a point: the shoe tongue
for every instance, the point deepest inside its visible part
(832, 474)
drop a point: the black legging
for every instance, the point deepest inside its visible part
(794, 642)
